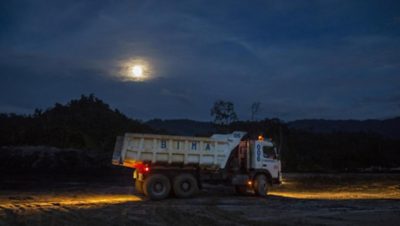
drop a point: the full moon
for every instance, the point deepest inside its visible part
(137, 71)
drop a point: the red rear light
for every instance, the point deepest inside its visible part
(141, 168)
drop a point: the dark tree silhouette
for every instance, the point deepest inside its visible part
(255, 108)
(86, 123)
(224, 113)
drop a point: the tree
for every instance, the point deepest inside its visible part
(255, 108)
(85, 123)
(223, 113)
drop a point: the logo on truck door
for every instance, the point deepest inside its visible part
(258, 152)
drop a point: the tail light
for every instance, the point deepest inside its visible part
(142, 168)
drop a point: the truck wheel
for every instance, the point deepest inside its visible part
(240, 189)
(261, 186)
(185, 185)
(156, 187)
(139, 186)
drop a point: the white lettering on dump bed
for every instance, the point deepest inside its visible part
(212, 151)
(163, 144)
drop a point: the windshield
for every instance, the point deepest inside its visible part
(269, 152)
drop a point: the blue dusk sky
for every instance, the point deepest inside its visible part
(326, 59)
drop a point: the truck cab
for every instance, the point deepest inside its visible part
(259, 166)
(264, 158)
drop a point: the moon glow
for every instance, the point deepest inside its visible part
(135, 70)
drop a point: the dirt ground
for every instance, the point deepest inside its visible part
(304, 199)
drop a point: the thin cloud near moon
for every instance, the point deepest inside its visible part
(135, 70)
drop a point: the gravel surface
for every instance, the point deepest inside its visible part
(304, 199)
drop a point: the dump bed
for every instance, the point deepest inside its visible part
(205, 152)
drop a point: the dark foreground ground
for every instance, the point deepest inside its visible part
(304, 199)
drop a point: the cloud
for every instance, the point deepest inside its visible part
(300, 60)
(180, 96)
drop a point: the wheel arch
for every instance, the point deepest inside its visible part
(262, 172)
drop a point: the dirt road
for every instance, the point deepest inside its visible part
(302, 200)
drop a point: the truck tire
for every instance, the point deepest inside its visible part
(139, 186)
(261, 185)
(156, 187)
(240, 189)
(185, 185)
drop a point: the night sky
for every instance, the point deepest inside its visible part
(300, 59)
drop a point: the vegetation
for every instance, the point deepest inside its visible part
(87, 123)
(255, 108)
(86, 129)
(306, 151)
(224, 114)
(338, 151)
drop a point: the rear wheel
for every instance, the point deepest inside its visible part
(139, 186)
(261, 185)
(156, 186)
(185, 185)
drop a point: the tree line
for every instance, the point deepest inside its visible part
(88, 123)
(305, 151)
(85, 123)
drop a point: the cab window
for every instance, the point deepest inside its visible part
(269, 152)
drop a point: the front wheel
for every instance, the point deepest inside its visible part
(261, 186)
(156, 187)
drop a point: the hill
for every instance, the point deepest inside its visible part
(85, 123)
(389, 128)
(80, 135)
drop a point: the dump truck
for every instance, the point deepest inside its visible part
(180, 165)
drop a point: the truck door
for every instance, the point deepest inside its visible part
(270, 160)
(265, 158)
